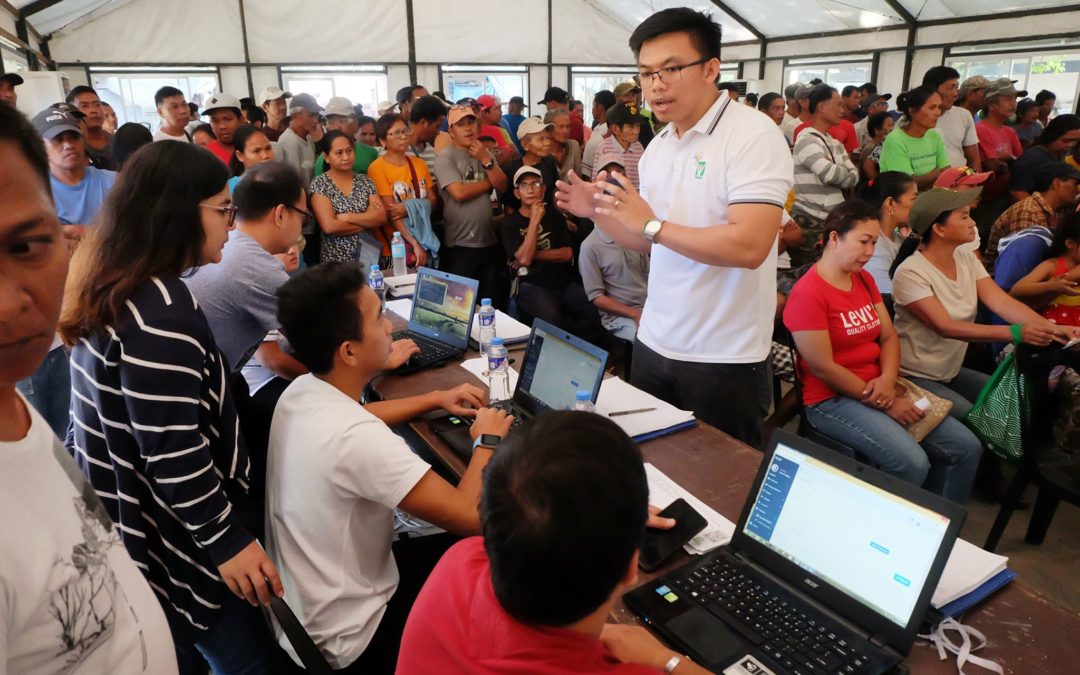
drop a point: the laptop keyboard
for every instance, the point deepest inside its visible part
(802, 641)
(429, 349)
(508, 408)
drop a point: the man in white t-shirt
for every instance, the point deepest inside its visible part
(336, 472)
(793, 113)
(175, 115)
(713, 185)
(71, 599)
(955, 126)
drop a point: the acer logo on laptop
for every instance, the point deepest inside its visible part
(810, 583)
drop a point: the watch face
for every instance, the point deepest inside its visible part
(490, 440)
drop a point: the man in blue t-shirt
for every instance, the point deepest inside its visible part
(78, 189)
(513, 118)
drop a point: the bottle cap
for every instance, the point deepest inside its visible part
(584, 395)
(374, 268)
(496, 342)
(485, 301)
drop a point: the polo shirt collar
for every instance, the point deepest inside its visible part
(708, 122)
(1041, 201)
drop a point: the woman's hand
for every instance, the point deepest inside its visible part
(880, 392)
(904, 411)
(1037, 336)
(251, 576)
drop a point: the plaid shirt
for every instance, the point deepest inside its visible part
(1023, 214)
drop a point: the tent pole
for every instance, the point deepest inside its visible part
(247, 53)
(411, 32)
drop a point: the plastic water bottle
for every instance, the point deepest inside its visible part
(486, 319)
(397, 251)
(498, 372)
(375, 280)
(583, 401)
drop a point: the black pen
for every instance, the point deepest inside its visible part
(630, 412)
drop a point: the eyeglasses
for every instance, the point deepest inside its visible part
(668, 75)
(308, 215)
(229, 210)
(401, 133)
(531, 185)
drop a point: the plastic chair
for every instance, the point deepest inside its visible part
(305, 648)
(1056, 474)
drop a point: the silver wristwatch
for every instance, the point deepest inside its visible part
(651, 229)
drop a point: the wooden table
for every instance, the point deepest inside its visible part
(1027, 632)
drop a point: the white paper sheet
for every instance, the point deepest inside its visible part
(508, 328)
(402, 308)
(616, 394)
(968, 568)
(478, 367)
(663, 491)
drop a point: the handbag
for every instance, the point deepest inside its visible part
(996, 416)
(935, 414)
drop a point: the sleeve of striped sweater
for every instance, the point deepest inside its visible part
(162, 370)
(810, 152)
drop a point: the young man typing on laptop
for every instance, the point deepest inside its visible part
(336, 472)
(534, 594)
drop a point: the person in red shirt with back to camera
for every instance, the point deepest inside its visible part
(534, 593)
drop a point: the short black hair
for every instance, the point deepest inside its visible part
(194, 108)
(558, 546)
(328, 139)
(1044, 96)
(317, 311)
(255, 114)
(876, 121)
(605, 97)
(705, 34)
(128, 139)
(166, 92)
(15, 127)
(818, 95)
(766, 101)
(264, 187)
(206, 129)
(815, 82)
(1058, 127)
(849, 90)
(79, 91)
(939, 75)
(845, 216)
(916, 98)
(385, 122)
(361, 120)
(751, 99)
(428, 109)
(868, 88)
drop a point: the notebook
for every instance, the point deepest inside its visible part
(618, 395)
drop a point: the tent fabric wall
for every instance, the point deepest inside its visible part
(1007, 30)
(459, 31)
(334, 31)
(584, 36)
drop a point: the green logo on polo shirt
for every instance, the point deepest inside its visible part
(699, 172)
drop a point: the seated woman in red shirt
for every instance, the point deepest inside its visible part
(1053, 287)
(849, 359)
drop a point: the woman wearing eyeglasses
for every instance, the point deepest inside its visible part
(342, 200)
(400, 179)
(154, 426)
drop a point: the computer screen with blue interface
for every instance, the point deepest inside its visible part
(444, 306)
(555, 370)
(874, 546)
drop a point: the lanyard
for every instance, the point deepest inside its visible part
(963, 650)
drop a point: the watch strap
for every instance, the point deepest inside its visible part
(672, 664)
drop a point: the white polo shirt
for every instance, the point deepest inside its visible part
(706, 313)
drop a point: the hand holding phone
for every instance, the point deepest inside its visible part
(659, 545)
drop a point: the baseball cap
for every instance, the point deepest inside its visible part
(218, 101)
(974, 82)
(13, 78)
(556, 94)
(305, 102)
(957, 176)
(532, 125)
(385, 107)
(792, 89)
(526, 171)
(518, 100)
(1054, 170)
(487, 102)
(603, 160)
(804, 91)
(932, 203)
(339, 105)
(624, 88)
(272, 94)
(403, 95)
(458, 113)
(54, 120)
(67, 107)
(874, 98)
(1003, 87)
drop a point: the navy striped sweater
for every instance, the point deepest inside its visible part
(154, 429)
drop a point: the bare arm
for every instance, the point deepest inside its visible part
(613, 306)
(1008, 307)
(345, 223)
(463, 400)
(1040, 287)
(497, 178)
(561, 255)
(464, 192)
(525, 253)
(270, 355)
(815, 348)
(971, 153)
(926, 181)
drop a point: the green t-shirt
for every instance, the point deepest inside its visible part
(365, 155)
(913, 156)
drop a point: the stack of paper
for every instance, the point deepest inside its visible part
(663, 491)
(507, 327)
(478, 367)
(970, 575)
(402, 308)
(401, 287)
(659, 418)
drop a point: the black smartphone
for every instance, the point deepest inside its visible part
(659, 545)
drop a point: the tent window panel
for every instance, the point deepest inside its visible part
(471, 85)
(838, 75)
(1058, 72)
(366, 89)
(131, 94)
(585, 86)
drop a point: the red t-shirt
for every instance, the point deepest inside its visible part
(843, 132)
(220, 151)
(457, 626)
(995, 142)
(850, 318)
(577, 128)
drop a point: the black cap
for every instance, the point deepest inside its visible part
(1047, 173)
(516, 99)
(404, 94)
(12, 78)
(556, 94)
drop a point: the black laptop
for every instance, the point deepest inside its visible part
(442, 313)
(831, 569)
(557, 365)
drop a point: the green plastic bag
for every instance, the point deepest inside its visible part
(996, 416)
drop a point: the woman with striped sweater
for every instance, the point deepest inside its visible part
(153, 423)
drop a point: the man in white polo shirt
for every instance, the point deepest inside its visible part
(713, 184)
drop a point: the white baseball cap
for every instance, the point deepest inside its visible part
(272, 94)
(218, 101)
(339, 105)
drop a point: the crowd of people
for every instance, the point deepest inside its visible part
(187, 339)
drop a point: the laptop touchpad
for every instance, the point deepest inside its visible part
(706, 635)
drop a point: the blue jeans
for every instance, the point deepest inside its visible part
(944, 463)
(239, 643)
(962, 390)
(49, 390)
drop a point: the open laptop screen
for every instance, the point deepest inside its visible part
(443, 307)
(555, 369)
(876, 547)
